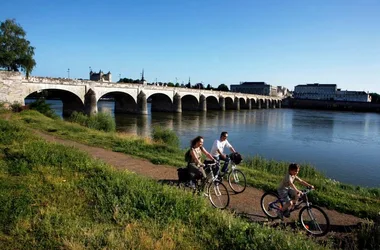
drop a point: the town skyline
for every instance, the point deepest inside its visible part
(282, 44)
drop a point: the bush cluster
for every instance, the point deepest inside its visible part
(99, 121)
(165, 136)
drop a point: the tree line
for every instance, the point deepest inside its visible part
(221, 87)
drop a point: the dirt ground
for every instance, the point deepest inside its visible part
(246, 204)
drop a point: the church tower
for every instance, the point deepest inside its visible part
(142, 81)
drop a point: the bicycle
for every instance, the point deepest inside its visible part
(236, 178)
(313, 219)
(216, 191)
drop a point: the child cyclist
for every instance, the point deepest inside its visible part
(288, 192)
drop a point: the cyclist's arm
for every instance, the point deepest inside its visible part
(304, 183)
(294, 187)
(207, 154)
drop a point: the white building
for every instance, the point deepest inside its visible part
(316, 91)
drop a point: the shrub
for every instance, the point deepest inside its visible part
(16, 107)
(102, 121)
(166, 136)
(41, 106)
(79, 118)
(99, 121)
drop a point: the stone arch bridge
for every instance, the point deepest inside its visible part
(83, 95)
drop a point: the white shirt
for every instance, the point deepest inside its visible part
(219, 145)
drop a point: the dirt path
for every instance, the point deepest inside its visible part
(246, 204)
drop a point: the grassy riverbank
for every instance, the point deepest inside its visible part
(261, 173)
(56, 197)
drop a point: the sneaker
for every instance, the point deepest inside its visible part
(191, 184)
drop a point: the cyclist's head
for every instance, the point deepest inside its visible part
(223, 136)
(197, 140)
(294, 167)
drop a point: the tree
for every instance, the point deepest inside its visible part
(208, 87)
(375, 98)
(223, 87)
(15, 51)
(198, 86)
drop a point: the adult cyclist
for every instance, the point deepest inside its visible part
(218, 148)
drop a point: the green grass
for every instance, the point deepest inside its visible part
(56, 197)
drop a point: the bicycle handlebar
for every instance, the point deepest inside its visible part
(210, 165)
(307, 190)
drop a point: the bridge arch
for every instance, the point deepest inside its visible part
(160, 103)
(243, 103)
(229, 102)
(124, 102)
(212, 103)
(190, 103)
(70, 101)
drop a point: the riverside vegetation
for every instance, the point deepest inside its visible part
(55, 196)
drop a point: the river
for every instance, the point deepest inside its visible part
(343, 145)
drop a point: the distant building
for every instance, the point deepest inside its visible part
(100, 76)
(283, 92)
(258, 88)
(316, 91)
(142, 81)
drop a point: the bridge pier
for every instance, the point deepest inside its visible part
(258, 104)
(266, 104)
(249, 104)
(90, 105)
(222, 103)
(237, 103)
(142, 104)
(202, 103)
(177, 103)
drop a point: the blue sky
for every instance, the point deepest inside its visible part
(284, 43)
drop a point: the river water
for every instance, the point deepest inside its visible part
(343, 145)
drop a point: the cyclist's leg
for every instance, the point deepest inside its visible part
(284, 196)
(226, 162)
(294, 197)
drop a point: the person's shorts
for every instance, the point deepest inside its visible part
(287, 194)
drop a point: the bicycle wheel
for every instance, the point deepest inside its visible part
(314, 220)
(218, 194)
(270, 204)
(237, 181)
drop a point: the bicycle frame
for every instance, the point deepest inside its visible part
(303, 199)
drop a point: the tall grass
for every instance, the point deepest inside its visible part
(62, 199)
(101, 121)
(165, 136)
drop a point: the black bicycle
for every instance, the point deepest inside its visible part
(210, 187)
(312, 218)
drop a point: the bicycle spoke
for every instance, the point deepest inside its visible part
(270, 204)
(314, 220)
(218, 195)
(237, 181)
